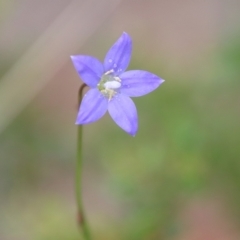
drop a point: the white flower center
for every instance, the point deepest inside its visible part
(109, 84)
(112, 85)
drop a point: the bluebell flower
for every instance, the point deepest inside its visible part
(111, 87)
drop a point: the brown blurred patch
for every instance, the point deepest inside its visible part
(207, 219)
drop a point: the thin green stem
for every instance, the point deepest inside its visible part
(82, 223)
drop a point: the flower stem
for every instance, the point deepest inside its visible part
(82, 223)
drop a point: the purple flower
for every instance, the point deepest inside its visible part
(111, 87)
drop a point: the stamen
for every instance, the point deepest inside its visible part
(108, 72)
(111, 93)
(117, 79)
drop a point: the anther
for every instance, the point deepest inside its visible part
(108, 72)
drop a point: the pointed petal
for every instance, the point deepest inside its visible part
(89, 69)
(93, 107)
(118, 56)
(123, 111)
(137, 83)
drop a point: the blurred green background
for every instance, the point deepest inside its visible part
(178, 179)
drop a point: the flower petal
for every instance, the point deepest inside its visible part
(118, 56)
(123, 111)
(137, 83)
(93, 107)
(89, 69)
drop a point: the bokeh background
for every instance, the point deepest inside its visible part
(178, 179)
